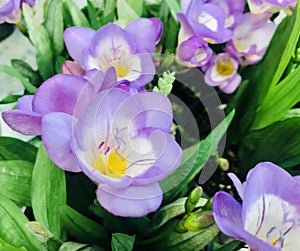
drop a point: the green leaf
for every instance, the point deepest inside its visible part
(12, 72)
(15, 179)
(73, 246)
(266, 74)
(109, 11)
(229, 246)
(10, 99)
(48, 193)
(174, 8)
(41, 41)
(264, 145)
(54, 24)
(4, 246)
(192, 241)
(278, 101)
(125, 11)
(12, 226)
(78, 18)
(93, 16)
(193, 161)
(137, 6)
(171, 211)
(26, 71)
(82, 228)
(16, 149)
(122, 242)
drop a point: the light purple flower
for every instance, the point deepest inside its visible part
(273, 6)
(251, 37)
(61, 93)
(123, 144)
(10, 10)
(128, 50)
(269, 217)
(194, 51)
(233, 11)
(222, 72)
(203, 20)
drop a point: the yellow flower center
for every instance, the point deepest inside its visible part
(122, 70)
(114, 167)
(225, 68)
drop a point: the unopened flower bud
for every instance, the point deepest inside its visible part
(193, 199)
(71, 68)
(223, 163)
(198, 221)
(180, 228)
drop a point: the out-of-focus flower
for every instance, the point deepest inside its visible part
(273, 6)
(251, 37)
(222, 72)
(127, 50)
(269, 218)
(123, 144)
(203, 20)
(233, 11)
(10, 10)
(194, 51)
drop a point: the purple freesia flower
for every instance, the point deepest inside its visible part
(203, 20)
(269, 217)
(194, 51)
(259, 6)
(10, 10)
(61, 93)
(222, 72)
(128, 50)
(122, 143)
(251, 37)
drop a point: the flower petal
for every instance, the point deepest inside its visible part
(145, 41)
(133, 201)
(168, 155)
(238, 184)
(270, 195)
(57, 131)
(27, 123)
(227, 214)
(59, 94)
(76, 39)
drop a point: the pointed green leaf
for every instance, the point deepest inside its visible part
(174, 8)
(26, 71)
(193, 161)
(109, 11)
(95, 24)
(12, 226)
(41, 41)
(73, 246)
(78, 18)
(122, 242)
(278, 101)
(10, 99)
(137, 5)
(12, 72)
(54, 24)
(82, 228)
(125, 11)
(16, 149)
(264, 145)
(15, 179)
(229, 246)
(48, 193)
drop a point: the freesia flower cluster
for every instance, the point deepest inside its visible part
(241, 38)
(97, 117)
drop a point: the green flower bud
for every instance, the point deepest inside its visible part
(193, 199)
(180, 228)
(198, 221)
(223, 163)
